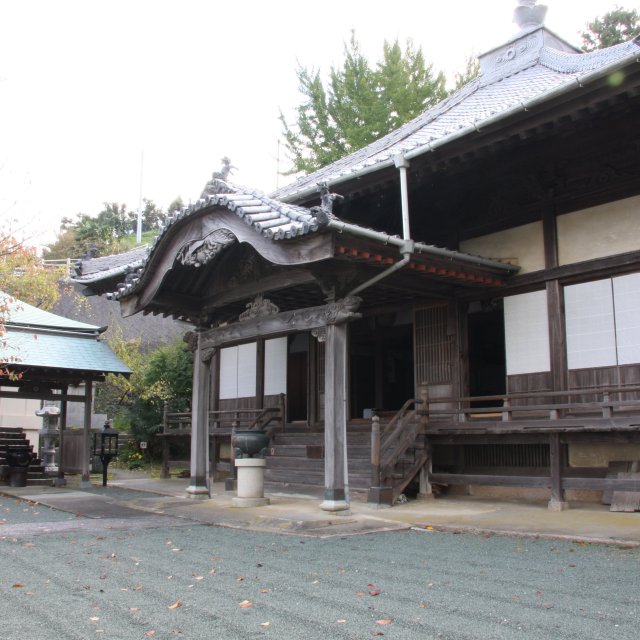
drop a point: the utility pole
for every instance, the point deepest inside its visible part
(139, 225)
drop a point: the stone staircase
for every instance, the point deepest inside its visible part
(14, 437)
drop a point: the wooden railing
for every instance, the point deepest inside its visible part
(552, 418)
(388, 448)
(221, 425)
(221, 421)
(538, 410)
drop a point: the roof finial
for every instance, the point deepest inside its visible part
(528, 14)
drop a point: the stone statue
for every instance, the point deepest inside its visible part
(323, 213)
(218, 182)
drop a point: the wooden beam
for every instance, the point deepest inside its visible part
(85, 481)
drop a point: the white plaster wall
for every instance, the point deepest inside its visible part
(19, 412)
(523, 246)
(598, 232)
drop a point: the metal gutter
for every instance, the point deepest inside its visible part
(418, 247)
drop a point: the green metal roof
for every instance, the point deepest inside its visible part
(25, 315)
(36, 338)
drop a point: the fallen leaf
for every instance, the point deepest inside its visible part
(28, 545)
(150, 633)
(359, 594)
(175, 605)
(384, 621)
(134, 609)
(17, 585)
(264, 590)
(422, 605)
(246, 604)
(429, 528)
(265, 624)
(547, 605)
(377, 633)
(374, 592)
(138, 587)
(239, 578)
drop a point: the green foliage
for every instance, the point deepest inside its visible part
(614, 27)
(360, 103)
(136, 403)
(113, 230)
(471, 72)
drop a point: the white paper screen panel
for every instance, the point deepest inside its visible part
(526, 328)
(591, 335)
(626, 291)
(238, 371)
(247, 370)
(275, 366)
(228, 373)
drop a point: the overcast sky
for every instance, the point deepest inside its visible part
(88, 87)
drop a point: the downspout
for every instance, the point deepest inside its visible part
(407, 246)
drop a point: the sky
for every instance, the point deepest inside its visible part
(104, 101)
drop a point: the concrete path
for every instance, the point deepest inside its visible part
(135, 496)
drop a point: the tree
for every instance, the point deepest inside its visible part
(102, 233)
(25, 276)
(614, 27)
(471, 72)
(360, 103)
(163, 374)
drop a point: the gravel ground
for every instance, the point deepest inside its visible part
(208, 582)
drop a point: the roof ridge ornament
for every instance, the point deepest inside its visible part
(218, 182)
(528, 14)
(324, 212)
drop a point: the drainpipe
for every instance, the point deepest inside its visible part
(402, 164)
(407, 247)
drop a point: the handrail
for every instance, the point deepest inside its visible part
(554, 404)
(256, 418)
(389, 444)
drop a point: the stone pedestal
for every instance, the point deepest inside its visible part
(250, 483)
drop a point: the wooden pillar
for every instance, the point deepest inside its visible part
(336, 496)
(198, 483)
(85, 481)
(60, 480)
(214, 440)
(557, 502)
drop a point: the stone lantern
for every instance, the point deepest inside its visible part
(50, 415)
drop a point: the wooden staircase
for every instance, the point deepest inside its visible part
(14, 437)
(296, 460)
(399, 452)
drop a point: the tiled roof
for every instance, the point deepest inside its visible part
(268, 217)
(112, 265)
(483, 100)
